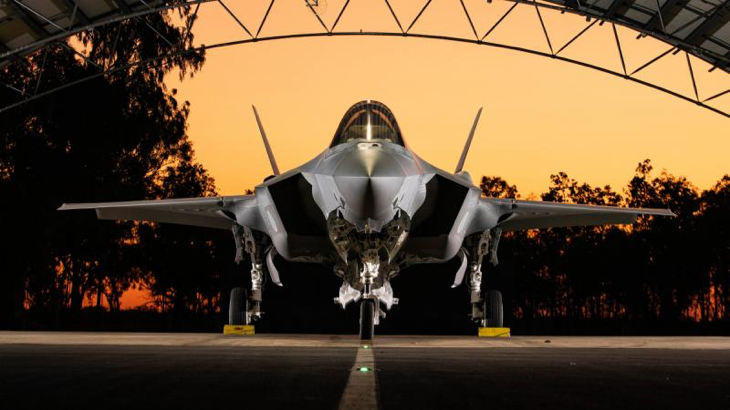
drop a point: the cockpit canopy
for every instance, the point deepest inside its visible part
(368, 120)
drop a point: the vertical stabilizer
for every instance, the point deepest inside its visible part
(460, 166)
(266, 142)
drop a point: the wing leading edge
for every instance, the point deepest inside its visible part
(517, 215)
(209, 212)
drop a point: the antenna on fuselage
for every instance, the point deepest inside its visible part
(266, 142)
(460, 166)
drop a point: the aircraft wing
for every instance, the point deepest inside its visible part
(517, 215)
(210, 212)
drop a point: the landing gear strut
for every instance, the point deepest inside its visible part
(248, 242)
(487, 308)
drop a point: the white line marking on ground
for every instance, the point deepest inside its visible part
(360, 392)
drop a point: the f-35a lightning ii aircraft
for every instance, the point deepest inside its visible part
(367, 207)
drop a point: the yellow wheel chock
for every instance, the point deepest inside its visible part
(494, 332)
(245, 330)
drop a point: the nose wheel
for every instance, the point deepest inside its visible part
(367, 319)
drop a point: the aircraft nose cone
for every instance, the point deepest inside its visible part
(368, 160)
(369, 181)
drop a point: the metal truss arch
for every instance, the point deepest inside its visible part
(615, 12)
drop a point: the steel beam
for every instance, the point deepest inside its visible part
(27, 9)
(717, 95)
(667, 12)
(382, 34)
(418, 16)
(620, 52)
(266, 16)
(544, 29)
(72, 4)
(468, 17)
(394, 16)
(337, 20)
(504, 16)
(618, 7)
(577, 36)
(711, 25)
(28, 19)
(97, 23)
(308, 4)
(40, 71)
(653, 60)
(714, 58)
(19, 91)
(692, 76)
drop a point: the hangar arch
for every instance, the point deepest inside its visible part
(700, 29)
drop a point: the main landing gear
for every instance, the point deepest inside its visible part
(245, 306)
(493, 309)
(238, 307)
(487, 307)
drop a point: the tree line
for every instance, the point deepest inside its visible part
(659, 272)
(119, 136)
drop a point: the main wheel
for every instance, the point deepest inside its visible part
(493, 310)
(367, 319)
(237, 307)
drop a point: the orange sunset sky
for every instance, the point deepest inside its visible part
(540, 115)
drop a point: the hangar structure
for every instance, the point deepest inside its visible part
(700, 29)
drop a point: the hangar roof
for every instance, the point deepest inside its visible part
(701, 27)
(27, 25)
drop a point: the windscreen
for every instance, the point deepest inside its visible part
(369, 121)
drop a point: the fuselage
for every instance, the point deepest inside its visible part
(367, 207)
(367, 184)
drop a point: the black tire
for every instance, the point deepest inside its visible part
(237, 307)
(493, 310)
(367, 319)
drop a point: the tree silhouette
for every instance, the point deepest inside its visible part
(659, 275)
(102, 140)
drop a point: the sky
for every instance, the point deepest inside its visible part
(541, 116)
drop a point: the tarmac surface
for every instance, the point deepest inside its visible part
(141, 370)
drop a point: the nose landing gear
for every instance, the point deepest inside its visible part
(367, 319)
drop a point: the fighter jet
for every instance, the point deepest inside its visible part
(367, 207)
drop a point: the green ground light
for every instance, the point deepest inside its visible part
(364, 369)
